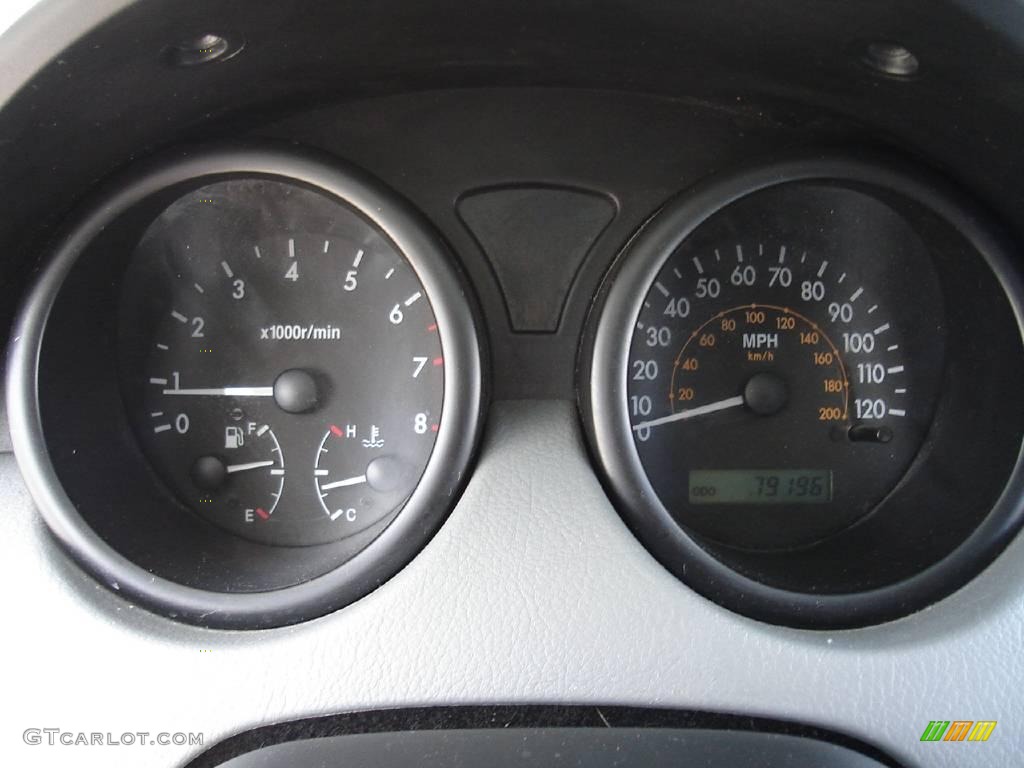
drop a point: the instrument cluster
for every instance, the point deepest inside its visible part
(253, 382)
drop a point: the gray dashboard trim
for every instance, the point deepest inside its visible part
(534, 591)
(57, 22)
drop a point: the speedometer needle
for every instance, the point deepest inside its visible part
(251, 465)
(721, 405)
(225, 392)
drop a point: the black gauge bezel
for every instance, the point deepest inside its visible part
(462, 411)
(602, 383)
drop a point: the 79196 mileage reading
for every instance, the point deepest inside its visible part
(760, 486)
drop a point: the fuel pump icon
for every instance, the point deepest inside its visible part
(234, 437)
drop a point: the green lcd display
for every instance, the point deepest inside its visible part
(760, 486)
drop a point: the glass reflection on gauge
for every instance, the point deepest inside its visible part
(280, 361)
(779, 386)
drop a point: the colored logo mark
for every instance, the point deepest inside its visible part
(958, 730)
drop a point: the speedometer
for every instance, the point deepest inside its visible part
(769, 369)
(796, 386)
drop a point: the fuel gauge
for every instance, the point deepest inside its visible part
(241, 481)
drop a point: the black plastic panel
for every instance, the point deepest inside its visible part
(533, 748)
(686, 91)
(529, 736)
(536, 238)
(634, 150)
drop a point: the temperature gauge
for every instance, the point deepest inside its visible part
(364, 471)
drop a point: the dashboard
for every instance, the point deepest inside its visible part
(372, 408)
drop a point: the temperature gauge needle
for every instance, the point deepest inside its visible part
(232, 468)
(344, 483)
(720, 405)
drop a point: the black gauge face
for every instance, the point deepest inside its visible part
(798, 389)
(780, 383)
(280, 362)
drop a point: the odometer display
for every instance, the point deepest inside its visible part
(775, 338)
(760, 486)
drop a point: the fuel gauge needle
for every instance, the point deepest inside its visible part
(232, 468)
(701, 410)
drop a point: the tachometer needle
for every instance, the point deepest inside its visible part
(224, 392)
(721, 405)
(251, 465)
(343, 483)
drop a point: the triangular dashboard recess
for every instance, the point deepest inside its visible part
(535, 237)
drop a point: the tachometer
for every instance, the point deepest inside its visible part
(256, 316)
(251, 383)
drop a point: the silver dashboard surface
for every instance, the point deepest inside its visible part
(533, 591)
